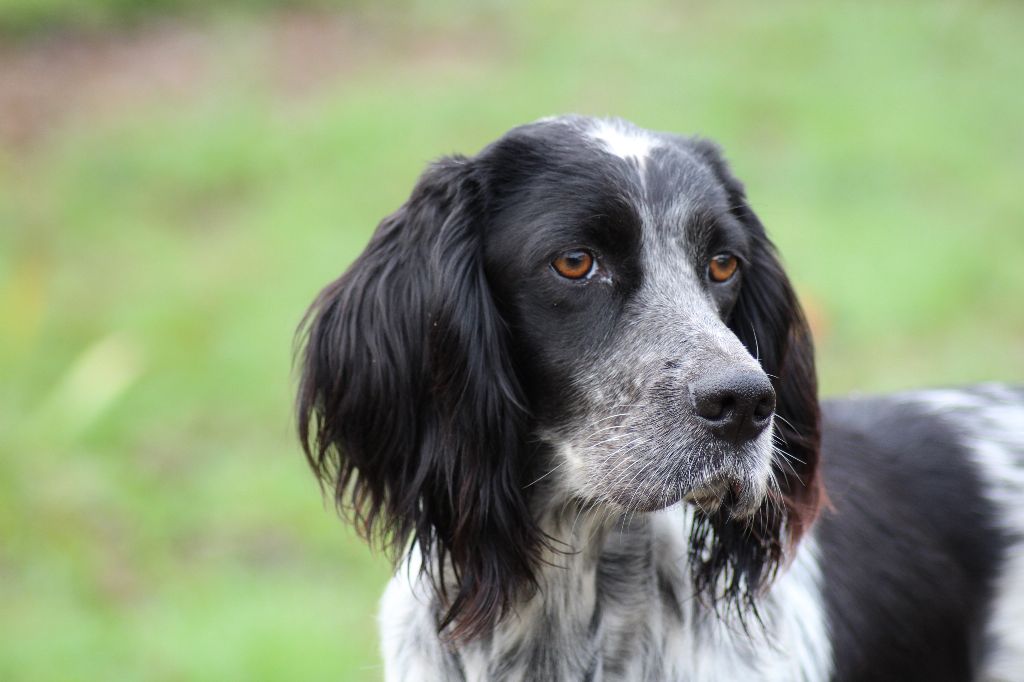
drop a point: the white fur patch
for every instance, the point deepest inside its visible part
(408, 633)
(795, 644)
(623, 141)
(994, 423)
(801, 623)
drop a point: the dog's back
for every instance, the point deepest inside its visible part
(922, 541)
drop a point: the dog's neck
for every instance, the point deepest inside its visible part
(614, 600)
(593, 562)
(616, 590)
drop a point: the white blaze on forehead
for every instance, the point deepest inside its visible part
(623, 141)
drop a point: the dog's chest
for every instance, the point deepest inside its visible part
(632, 617)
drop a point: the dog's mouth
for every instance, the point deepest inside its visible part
(706, 500)
(738, 497)
(741, 499)
(666, 467)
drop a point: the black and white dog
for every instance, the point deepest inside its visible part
(570, 385)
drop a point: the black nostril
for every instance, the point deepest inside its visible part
(766, 405)
(736, 406)
(713, 405)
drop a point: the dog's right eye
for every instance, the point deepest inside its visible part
(722, 267)
(575, 264)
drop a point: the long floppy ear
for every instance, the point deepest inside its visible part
(409, 409)
(769, 321)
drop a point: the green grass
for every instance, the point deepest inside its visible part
(156, 517)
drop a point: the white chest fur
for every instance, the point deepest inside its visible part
(620, 608)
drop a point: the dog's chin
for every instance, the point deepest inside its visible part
(738, 487)
(740, 497)
(720, 479)
(738, 500)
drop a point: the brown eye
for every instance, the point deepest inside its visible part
(722, 267)
(575, 264)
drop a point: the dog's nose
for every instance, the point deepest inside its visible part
(737, 406)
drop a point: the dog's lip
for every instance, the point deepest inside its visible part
(711, 497)
(707, 498)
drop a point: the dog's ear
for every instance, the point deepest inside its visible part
(409, 408)
(769, 321)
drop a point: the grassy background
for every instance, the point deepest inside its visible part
(166, 214)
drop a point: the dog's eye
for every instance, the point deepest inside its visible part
(575, 264)
(722, 267)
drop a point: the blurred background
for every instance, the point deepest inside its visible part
(178, 181)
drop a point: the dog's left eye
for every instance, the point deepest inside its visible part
(722, 267)
(575, 264)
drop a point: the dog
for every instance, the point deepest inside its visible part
(570, 388)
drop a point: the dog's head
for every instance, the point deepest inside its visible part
(586, 302)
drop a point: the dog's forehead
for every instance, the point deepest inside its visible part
(659, 170)
(623, 140)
